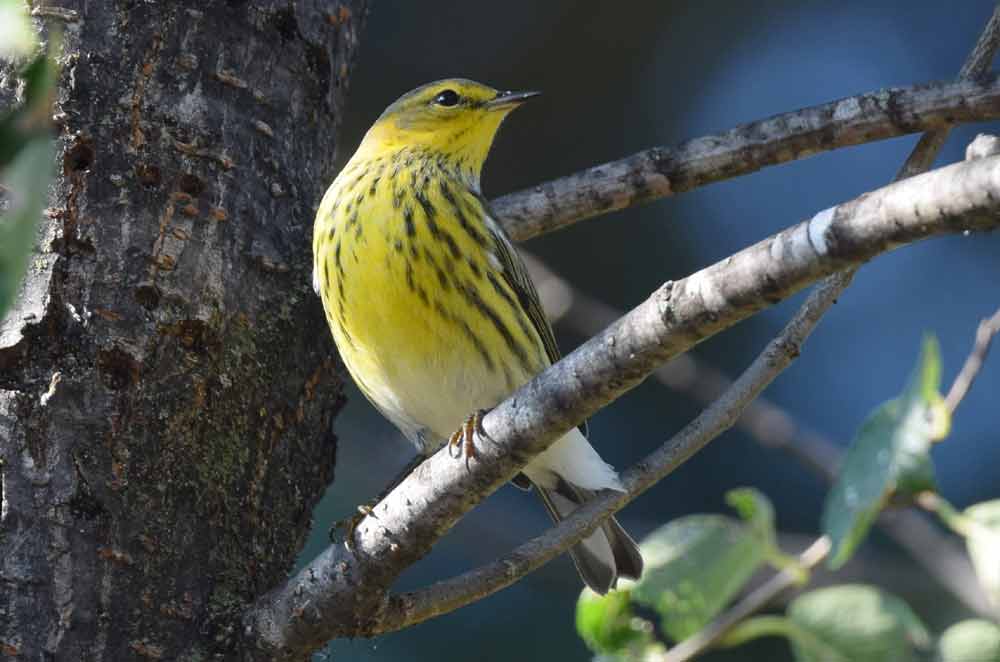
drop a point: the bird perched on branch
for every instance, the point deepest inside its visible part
(431, 306)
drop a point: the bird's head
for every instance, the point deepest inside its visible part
(454, 118)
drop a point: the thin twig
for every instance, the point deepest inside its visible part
(749, 605)
(663, 171)
(974, 362)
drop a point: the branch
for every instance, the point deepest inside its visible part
(974, 362)
(662, 171)
(764, 421)
(343, 592)
(772, 427)
(721, 415)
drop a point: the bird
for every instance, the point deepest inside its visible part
(431, 307)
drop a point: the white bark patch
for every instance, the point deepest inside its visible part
(777, 249)
(984, 145)
(846, 109)
(818, 226)
(708, 290)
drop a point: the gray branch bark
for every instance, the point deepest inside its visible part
(344, 591)
(662, 171)
(167, 383)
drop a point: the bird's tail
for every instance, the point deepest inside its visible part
(609, 552)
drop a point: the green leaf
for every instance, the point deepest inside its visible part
(809, 646)
(974, 640)
(695, 565)
(27, 180)
(756, 510)
(889, 454)
(606, 623)
(17, 37)
(860, 623)
(982, 540)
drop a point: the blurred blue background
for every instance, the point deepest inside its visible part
(619, 77)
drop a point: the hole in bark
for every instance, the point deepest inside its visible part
(148, 296)
(191, 185)
(149, 175)
(79, 157)
(118, 370)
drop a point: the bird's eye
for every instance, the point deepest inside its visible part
(446, 98)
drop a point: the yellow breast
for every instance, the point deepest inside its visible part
(417, 300)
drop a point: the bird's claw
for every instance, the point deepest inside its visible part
(462, 442)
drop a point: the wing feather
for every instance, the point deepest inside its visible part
(516, 275)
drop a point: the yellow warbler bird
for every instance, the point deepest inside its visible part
(431, 306)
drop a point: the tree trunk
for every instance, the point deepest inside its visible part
(167, 381)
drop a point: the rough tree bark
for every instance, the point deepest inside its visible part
(166, 381)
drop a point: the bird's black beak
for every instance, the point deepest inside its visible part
(509, 100)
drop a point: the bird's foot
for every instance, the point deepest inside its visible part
(463, 442)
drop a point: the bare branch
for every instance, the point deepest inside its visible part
(451, 594)
(343, 592)
(661, 171)
(978, 63)
(974, 362)
(976, 66)
(765, 422)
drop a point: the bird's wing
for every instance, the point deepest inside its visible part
(515, 273)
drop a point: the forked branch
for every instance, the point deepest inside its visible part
(344, 592)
